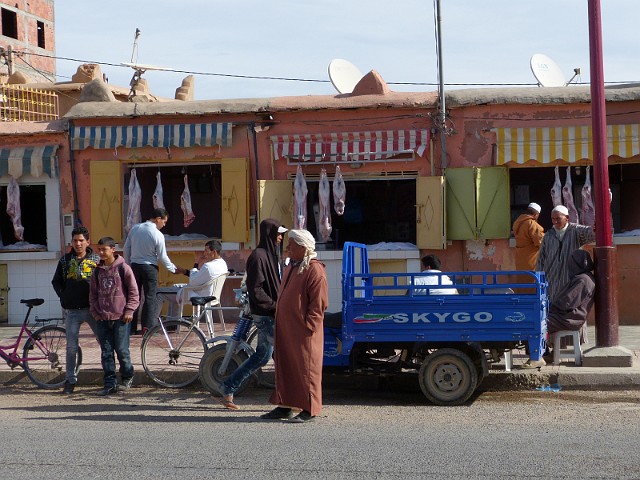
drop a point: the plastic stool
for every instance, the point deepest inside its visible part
(558, 355)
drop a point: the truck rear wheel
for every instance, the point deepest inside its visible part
(448, 377)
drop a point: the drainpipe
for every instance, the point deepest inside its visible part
(606, 300)
(74, 190)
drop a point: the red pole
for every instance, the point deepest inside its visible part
(605, 254)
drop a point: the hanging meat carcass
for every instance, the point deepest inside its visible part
(339, 192)
(135, 197)
(158, 200)
(556, 190)
(325, 207)
(588, 211)
(567, 195)
(13, 209)
(300, 201)
(185, 204)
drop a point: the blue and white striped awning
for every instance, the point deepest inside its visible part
(35, 161)
(135, 136)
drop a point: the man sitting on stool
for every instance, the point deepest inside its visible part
(573, 302)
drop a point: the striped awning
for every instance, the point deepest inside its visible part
(345, 146)
(571, 144)
(133, 136)
(35, 161)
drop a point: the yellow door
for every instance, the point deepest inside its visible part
(275, 197)
(106, 203)
(235, 200)
(430, 208)
(388, 266)
(4, 293)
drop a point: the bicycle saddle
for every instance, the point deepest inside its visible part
(33, 302)
(200, 301)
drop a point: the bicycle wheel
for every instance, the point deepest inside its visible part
(44, 361)
(211, 378)
(174, 362)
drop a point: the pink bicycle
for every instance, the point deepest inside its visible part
(44, 354)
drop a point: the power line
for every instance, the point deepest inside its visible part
(308, 80)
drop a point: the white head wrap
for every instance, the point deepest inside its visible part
(305, 239)
(535, 206)
(561, 209)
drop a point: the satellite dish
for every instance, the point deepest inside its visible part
(344, 75)
(547, 72)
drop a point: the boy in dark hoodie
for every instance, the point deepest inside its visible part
(113, 299)
(263, 282)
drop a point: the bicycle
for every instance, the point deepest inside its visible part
(171, 351)
(44, 354)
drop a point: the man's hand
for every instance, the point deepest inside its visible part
(180, 270)
(127, 318)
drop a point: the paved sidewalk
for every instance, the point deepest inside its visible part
(567, 375)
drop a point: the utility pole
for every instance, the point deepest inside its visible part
(606, 301)
(442, 114)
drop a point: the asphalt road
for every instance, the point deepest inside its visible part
(158, 433)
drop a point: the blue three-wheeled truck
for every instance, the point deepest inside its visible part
(388, 324)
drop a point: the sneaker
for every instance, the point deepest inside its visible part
(68, 388)
(278, 413)
(302, 417)
(126, 384)
(534, 364)
(108, 391)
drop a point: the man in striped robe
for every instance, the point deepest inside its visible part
(557, 246)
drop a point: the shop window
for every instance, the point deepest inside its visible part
(205, 185)
(9, 23)
(41, 38)
(376, 211)
(32, 204)
(534, 185)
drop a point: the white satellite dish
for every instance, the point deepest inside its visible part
(547, 72)
(344, 75)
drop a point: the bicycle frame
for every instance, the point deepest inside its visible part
(13, 358)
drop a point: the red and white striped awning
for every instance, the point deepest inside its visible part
(350, 146)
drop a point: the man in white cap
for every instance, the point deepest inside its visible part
(299, 335)
(528, 234)
(557, 246)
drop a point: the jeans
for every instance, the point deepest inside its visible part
(147, 281)
(263, 353)
(73, 321)
(113, 335)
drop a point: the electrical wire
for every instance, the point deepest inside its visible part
(307, 80)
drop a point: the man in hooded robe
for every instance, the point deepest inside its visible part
(299, 336)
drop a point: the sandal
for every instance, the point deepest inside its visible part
(227, 402)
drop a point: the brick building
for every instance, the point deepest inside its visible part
(27, 32)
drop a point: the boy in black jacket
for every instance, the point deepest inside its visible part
(71, 284)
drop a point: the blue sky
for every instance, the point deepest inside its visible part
(483, 42)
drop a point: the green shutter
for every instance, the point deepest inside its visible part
(461, 203)
(492, 202)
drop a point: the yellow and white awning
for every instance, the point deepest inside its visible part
(571, 144)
